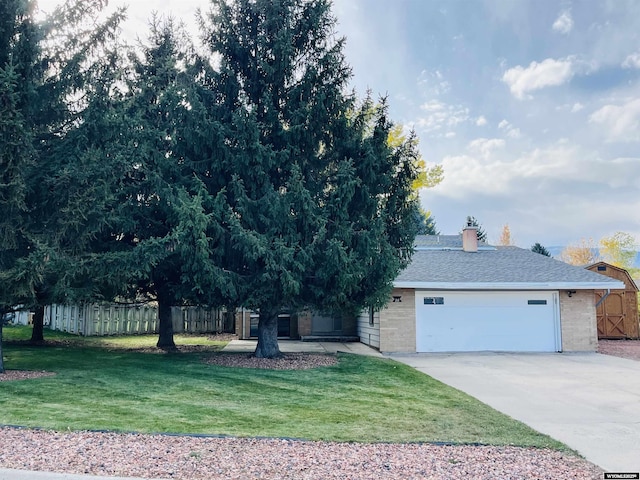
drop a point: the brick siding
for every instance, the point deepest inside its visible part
(578, 320)
(304, 324)
(398, 323)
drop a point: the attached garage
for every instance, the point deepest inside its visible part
(487, 321)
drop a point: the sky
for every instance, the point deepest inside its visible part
(532, 107)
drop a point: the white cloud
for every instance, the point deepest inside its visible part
(514, 133)
(547, 73)
(481, 121)
(576, 107)
(543, 188)
(509, 129)
(433, 83)
(485, 146)
(622, 122)
(468, 175)
(632, 61)
(440, 116)
(573, 108)
(564, 23)
(561, 169)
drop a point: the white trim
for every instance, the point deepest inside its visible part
(510, 285)
(557, 321)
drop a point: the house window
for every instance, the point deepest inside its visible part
(602, 268)
(434, 300)
(537, 302)
(371, 317)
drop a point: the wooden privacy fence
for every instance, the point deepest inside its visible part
(202, 320)
(115, 319)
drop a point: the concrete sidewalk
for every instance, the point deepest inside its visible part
(7, 474)
(296, 346)
(590, 402)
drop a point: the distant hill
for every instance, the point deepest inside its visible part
(556, 250)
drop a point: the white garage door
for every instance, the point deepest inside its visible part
(487, 321)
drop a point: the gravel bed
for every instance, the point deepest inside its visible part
(288, 361)
(620, 348)
(194, 458)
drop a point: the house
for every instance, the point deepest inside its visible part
(461, 295)
(616, 310)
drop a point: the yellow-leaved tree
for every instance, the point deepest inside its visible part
(620, 249)
(428, 177)
(505, 236)
(580, 254)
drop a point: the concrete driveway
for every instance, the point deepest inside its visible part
(590, 402)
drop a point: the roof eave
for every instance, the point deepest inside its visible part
(510, 285)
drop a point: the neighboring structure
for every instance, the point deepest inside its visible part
(616, 310)
(19, 317)
(303, 325)
(461, 295)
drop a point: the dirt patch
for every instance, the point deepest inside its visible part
(223, 337)
(289, 361)
(10, 375)
(620, 348)
(179, 349)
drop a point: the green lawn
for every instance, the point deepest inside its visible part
(360, 399)
(21, 333)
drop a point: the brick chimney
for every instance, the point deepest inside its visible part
(470, 238)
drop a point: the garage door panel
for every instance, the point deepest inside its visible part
(486, 300)
(486, 321)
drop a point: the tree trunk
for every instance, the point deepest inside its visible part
(165, 322)
(37, 334)
(268, 335)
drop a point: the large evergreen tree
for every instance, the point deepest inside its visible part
(167, 211)
(15, 145)
(162, 220)
(52, 63)
(315, 207)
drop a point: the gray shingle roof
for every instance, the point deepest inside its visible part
(502, 267)
(443, 242)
